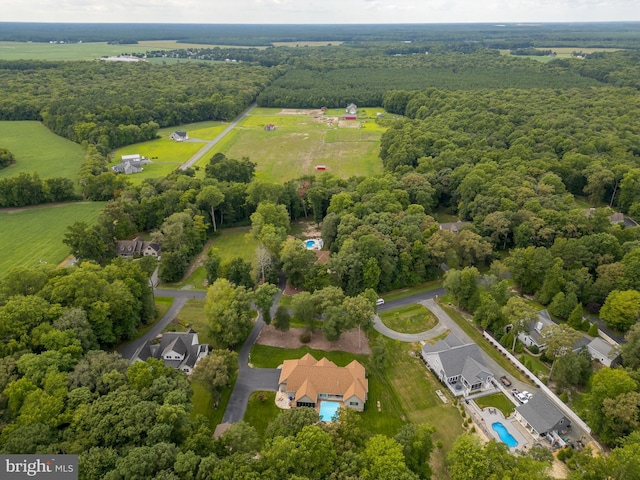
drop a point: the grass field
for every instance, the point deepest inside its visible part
(31, 235)
(203, 403)
(83, 51)
(497, 400)
(410, 319)
(301, 142)
(407, 292)
(261, 410)
(561, 52)
(39, 150)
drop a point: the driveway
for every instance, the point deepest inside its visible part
(210, 145)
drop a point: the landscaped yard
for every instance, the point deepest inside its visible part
(496, 400)
(192, 314)
(40, 231)
(534, 364)
(300, 143)
(261, 410)
(37, 149)
(410, 319)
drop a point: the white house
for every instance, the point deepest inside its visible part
(179, 136)
(459, 366)
(542, 419)
(179, 350)
(604, 352)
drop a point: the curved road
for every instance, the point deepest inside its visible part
(209, 146)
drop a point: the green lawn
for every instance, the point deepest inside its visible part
(235, 242)
(299, 143)
(407, 292)
(192, 314)
(37, 149)
(410, 319)
(40, 231)
(163, 304)
(261, 409)
(264, 356)
(203, 403)
(497, 400)
(535, 364)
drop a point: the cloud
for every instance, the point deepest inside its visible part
(319, 11)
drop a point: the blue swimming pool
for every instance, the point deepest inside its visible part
(328, 410)
(310, 243)
(504, 434)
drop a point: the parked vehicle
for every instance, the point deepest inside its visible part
(505, 381)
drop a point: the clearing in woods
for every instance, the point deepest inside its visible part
(303, 140)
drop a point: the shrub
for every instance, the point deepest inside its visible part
(593, 329)
(519, 347)
(473, 429)
(305, 337)
(585, 326)
(564, 397)
(439, 444)
(534, 349)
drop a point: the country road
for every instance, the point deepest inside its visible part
(210, 145)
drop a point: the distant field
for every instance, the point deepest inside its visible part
(166, 154)
(83, 51)
(306, 44)
(562, 52)
(303, 141)
(31, 235)
(37, 149)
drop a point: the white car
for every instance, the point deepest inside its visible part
(380, 301)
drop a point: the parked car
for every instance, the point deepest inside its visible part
(505, 381)
(522, 397)
(380, 301)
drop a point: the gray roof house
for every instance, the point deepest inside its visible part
(602, 351)
(179, 136)
(352, 109)
(179, 350)
(542, 418)
(533, 335)
(458, 365)
(130, 164)
(137, 247)
(453, 227)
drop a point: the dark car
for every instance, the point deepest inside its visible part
(505, 381)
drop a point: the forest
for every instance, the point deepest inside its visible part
(540, 162)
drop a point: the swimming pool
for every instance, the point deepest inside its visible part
(310, 243)
(328, 410)
(504, 434)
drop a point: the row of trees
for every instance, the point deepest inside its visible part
(29, 189)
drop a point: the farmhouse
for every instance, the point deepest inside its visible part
(308, 381)
(459, 366)
(179, 350)
(269, 127)
(352, 109)
(137, 247)
(130, 164)
(542, 419)
(179, 136)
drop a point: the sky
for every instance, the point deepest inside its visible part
(318, 11)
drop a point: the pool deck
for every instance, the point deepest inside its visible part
(490, 415)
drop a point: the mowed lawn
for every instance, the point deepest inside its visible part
(409, 319)
(301, 142)
(32, 235)
(37, 149)
(166, 154)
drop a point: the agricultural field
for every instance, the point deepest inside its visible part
(37, 149)
(166, 154)
(40, 231)
(561, 52)
(304, 139)
(83, 51)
